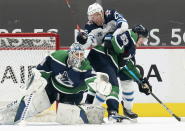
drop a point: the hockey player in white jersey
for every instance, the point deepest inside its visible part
(63, 76)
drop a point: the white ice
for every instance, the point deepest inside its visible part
(142, 124)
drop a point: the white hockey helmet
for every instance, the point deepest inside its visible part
(76, 55)
(94, 8)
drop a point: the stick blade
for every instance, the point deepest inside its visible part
(182, 119)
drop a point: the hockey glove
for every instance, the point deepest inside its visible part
(144, 86)
(82, 37)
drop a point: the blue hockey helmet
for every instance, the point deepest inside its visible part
(140, 30)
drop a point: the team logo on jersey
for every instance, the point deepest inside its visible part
(64, 79)
(124, 39)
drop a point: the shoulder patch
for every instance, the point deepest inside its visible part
(60, 55)
(86, 65)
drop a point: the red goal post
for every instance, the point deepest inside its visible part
(19, 53)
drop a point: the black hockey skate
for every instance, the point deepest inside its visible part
(130, 114)
(114, 117)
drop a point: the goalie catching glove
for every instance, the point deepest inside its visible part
(144, 86)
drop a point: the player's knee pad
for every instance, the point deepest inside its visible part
(73, 114)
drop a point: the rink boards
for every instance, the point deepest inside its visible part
(165, 69)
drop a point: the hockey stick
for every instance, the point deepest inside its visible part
(73, 14)
(167, 109)
(17, 105)
(23, 107)
(26, 100)
(160, 102)
(57, 101)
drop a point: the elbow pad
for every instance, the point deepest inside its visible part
(123, 28)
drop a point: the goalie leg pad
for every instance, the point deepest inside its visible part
(70, 114)
(38, 103)
(95, 113)
(8, 112)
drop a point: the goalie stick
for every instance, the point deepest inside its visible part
(35, 84)
(28, 95)
(154, 96)
(23, 107)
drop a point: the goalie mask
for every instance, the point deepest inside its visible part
(76, 55)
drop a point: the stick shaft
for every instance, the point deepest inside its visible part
(167, 109)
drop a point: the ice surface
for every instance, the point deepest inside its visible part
(143, 124)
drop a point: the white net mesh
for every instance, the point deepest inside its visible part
(19, 53)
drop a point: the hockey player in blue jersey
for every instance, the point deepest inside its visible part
(101, 23)
(102, 57)
(63, 76)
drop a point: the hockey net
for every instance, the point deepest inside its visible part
(19, 53)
